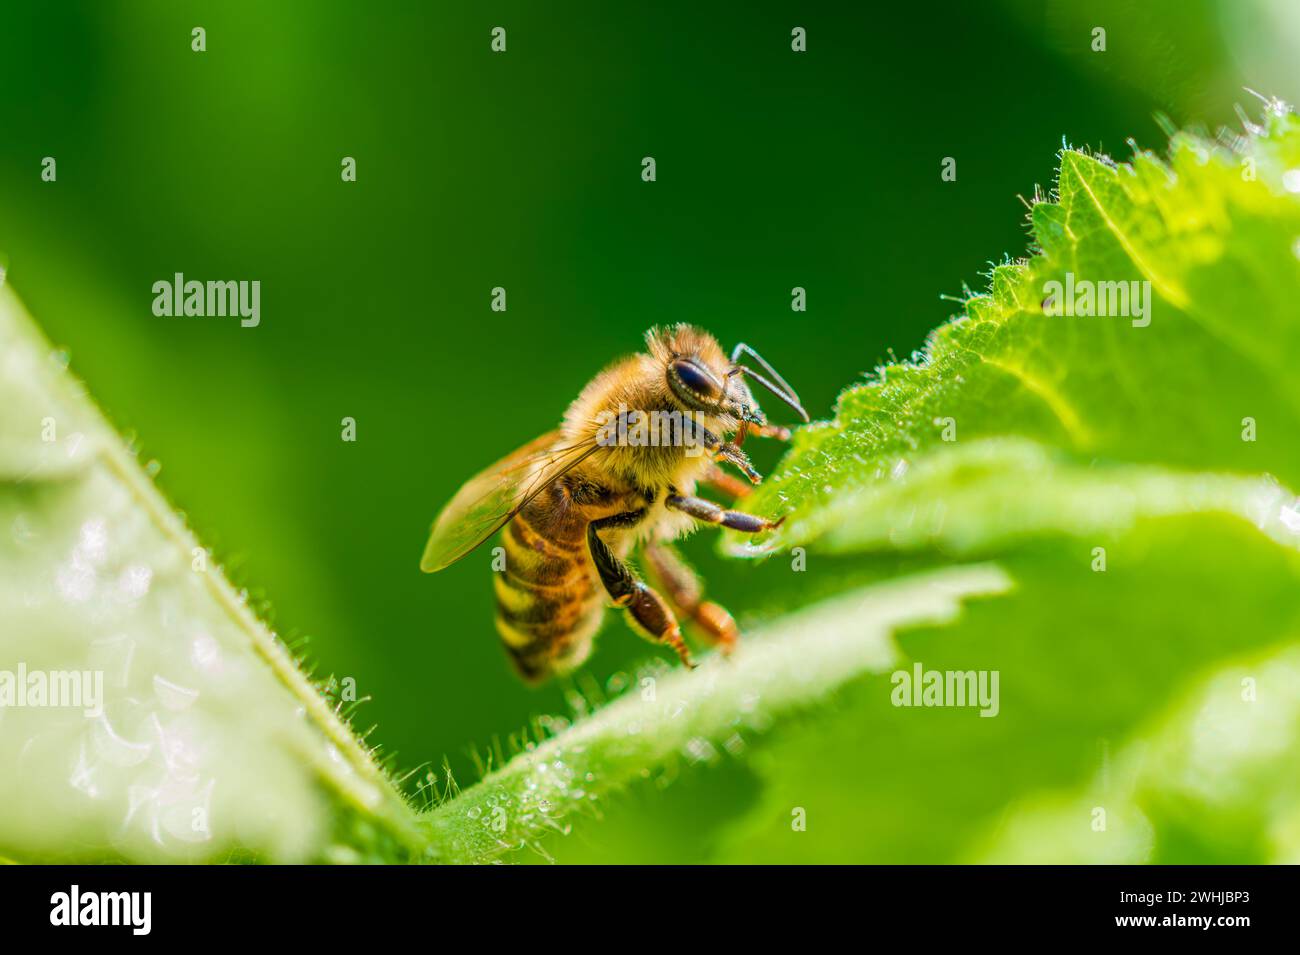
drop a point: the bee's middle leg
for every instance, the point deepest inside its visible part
(647, 610)
(685, 591)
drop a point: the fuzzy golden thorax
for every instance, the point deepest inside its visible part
(682, 382)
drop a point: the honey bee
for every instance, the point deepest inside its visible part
(619, 473)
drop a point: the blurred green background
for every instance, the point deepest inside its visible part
(522, 170)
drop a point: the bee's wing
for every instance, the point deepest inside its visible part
(491, 498)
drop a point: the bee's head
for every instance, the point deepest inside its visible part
(702, 379)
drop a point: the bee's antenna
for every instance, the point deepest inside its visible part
(772, 373)
(784, 395)
(781, 388)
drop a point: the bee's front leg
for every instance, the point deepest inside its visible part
(720, 450)
(733, 455)
(711, 513)
(647, 610)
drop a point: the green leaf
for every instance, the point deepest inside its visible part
(1214, 778)
(201, 740)
(1219, 251)
(673, 718)
(1126, 475)
(1087, 662)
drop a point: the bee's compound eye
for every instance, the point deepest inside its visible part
(696, 379)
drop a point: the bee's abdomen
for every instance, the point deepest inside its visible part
(548, 606)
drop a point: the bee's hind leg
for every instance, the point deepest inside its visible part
(646, 609)
(685, 591)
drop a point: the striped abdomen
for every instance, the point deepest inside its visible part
(549, 603)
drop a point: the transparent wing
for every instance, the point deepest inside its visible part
(491, 498)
